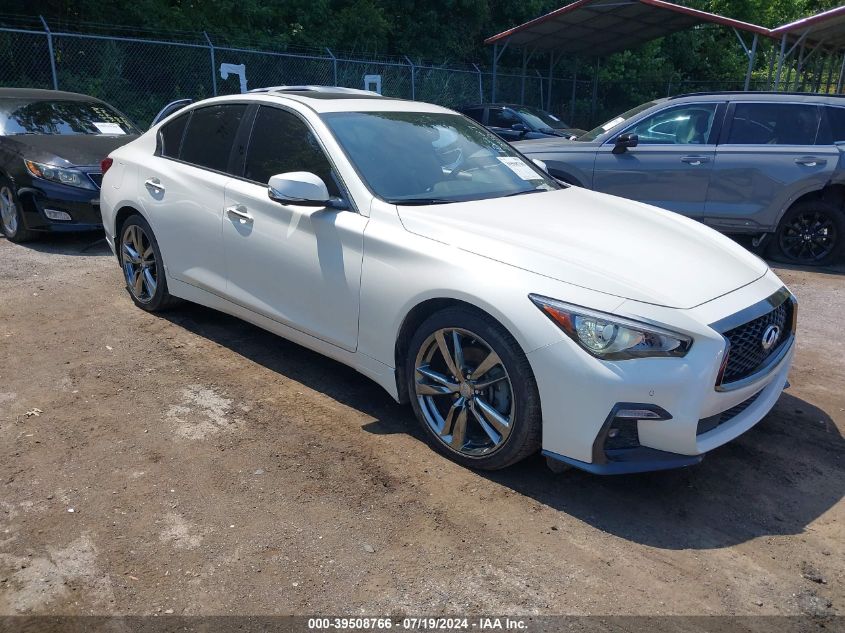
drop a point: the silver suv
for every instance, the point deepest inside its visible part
(769, 165)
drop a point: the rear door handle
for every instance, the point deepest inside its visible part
(154, 183)
(695, 160)
(239, 212)
(810, 161)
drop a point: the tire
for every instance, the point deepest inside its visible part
(11, 218)
(811, 233)
(462, 413)
(143, 269)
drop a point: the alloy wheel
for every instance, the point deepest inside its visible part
(8, 210)
(808, 237)
(139, 263)
(464, 392)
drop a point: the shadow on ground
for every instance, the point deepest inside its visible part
(774, 480)
(89, 243)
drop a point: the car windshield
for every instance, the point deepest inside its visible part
(615, 122)
(432, 158)
(62, 118)
(540, 119)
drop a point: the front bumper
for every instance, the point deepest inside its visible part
(82, 205)
(578, 392)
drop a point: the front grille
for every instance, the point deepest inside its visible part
(746, 354)
(708, 424)
(96, 178)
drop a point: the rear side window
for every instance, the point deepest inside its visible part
(281, 142)
(774, 124)
(835, 132)
(211, 134)
(475, 113)
(170, 136)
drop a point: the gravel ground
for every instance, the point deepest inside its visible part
(190, 463)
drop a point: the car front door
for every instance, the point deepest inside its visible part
(767, 158)
(671, 165)
(298, 265)
(501, 121)
(182, 190)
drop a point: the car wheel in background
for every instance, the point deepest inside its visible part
(142, 265)
(11, 220)
(811, 233)
(473, 390)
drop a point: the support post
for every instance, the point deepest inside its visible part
(752, 56)
(841, 76)
(574, 89)
(334, 64)
(780, 62)
(771, 68)
(549, 91)
(480, 85)
(50, 49)
(831, 62)
(594, 105)
(213, 64)
(522, 79)
(413, 78)
(495, 61)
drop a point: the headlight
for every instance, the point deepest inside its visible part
(610, 337)
(71, 177)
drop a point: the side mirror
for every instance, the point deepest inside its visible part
(541, 164)
(298, 188)
(520, 127)
(624, 141)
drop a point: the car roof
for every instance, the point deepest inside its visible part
(36, 94)
(326, 100)
(773, 97)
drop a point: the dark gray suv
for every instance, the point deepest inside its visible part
(762, 164)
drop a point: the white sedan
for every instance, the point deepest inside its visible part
(403, 239)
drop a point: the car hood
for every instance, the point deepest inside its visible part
(67, 150)
(596, 241)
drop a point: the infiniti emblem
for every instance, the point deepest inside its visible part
(770, 337)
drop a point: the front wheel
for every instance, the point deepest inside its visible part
(473, 390)
(811, 233)
(11, 219)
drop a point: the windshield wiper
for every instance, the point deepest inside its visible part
(414, 202)
(522, 193)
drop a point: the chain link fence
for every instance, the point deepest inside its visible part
(139, 76)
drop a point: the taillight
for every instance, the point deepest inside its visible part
(105, 164)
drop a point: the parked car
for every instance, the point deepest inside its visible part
(510, 310)
(518, 122)
(769, 165)
(51, 145)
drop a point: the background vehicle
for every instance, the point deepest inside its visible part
(51, 145)
(410, 243)
(744, 163)
(518, 122)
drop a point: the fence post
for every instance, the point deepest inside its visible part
(334, 64)
(213, 65)
(480, 85)
(52, 55)
(413, 79)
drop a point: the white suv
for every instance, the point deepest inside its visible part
(405, 240)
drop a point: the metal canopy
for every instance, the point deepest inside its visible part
(826, 29)
(602, 27)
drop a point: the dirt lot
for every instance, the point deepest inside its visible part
(193, 464)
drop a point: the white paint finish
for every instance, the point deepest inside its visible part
(343, 282)
(297, 265)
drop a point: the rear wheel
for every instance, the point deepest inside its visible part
(811, 233)
(473, 390)
(11, 219)
(142, 265)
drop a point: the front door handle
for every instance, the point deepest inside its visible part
(239, 212)
(155, 184)
(695, 160)
(810, 161)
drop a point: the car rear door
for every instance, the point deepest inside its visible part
(766, 158)
(671, 165)
(298, 265)
(182, 190)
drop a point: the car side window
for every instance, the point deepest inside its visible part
(282, 142)
(170, 136)
(501, 117)
(477, 114)
(210, 135)
(834, 131)
(684, 125)
(774, 124)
